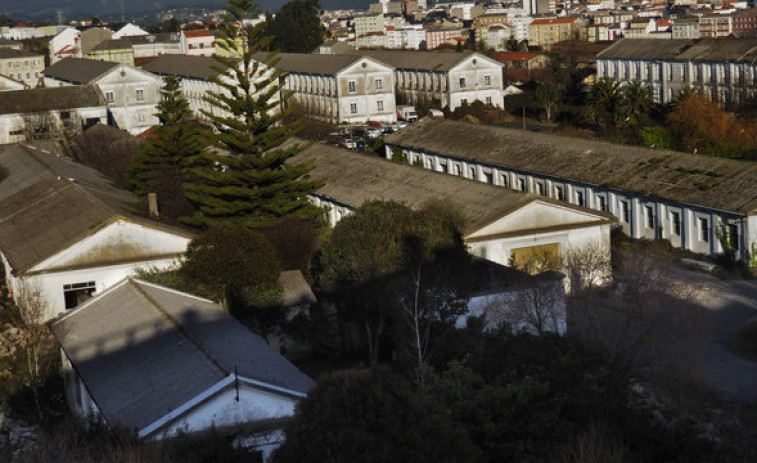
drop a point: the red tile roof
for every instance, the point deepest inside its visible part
(198, 33)
(514, 56)
(548, 21)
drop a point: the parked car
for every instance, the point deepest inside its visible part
(373, 133)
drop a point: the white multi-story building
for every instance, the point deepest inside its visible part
(131, 94)
(449, 78)
(724, 69)
(199, 42)
(21, 65)
(676, 196)
(348, 89)
(368, 23)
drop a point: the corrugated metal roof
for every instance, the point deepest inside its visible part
(197, 67)
(143, 351)
(308, 62)
(78, 70)
(352, 179)
(37, 100)
(710, 181)
(48, 203)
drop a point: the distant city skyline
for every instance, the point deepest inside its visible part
(75, 9)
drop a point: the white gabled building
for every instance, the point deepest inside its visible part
(66, 233)
(450, 78)
(162, 362)
(348, 89)
(67, 44)
(129, 30)
(691, 200)
(131, 93)
(501, 225)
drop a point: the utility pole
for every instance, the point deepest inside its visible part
(524, 118)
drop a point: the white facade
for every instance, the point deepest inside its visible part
(497, 37)
(66, 43)
(132, 96)
(409, 38)
(476, 77)
(687, 226)
(98, 261)
(369, 23)
(197, 43)
(722, 81)
(360, 92)
(12, 125)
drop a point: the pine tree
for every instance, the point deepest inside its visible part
(177, 143)
(251, 183)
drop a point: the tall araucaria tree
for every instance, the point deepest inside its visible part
(177, 144)
(251, 184)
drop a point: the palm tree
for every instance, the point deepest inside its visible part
(602, 103)
(634, 105)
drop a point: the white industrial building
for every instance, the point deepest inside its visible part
(66, 233)
(691, 200)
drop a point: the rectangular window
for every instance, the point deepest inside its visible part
(487, 80)
(76, 293)
(353, 108)
(352, 86)
(559, 193)
(602, 203)
(462, 82)
(580, 198)
(109, 97)
(675, 223)
(732, 232)
(522, 184)
(463, 101)
(704, 230)
(540, 189)
(650, 216)
(380, 105)
(379, 83)
(489, 100)
(140, 94)
(625, 211)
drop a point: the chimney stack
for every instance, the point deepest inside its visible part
(152, 205)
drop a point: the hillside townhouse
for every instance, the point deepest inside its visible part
(367, 24)
(23, 66)
(724, 70)
(199, 42)
(339, 89)
(451, 79)
(687, 28)
(548, 31)
(485, 21)
(691, 200)
(406, 38)
(438, 36)
(745, 22)
(91, 37)
(131, 94)
(147, 46)
(715, 26)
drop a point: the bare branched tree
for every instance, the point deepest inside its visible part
(30, 352)
(41, 126)
(535, 306)
(587, 267)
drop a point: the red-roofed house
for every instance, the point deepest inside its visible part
(199, 42)
(521, 60)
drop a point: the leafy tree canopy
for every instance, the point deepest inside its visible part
(372, 416)
(297, 27)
